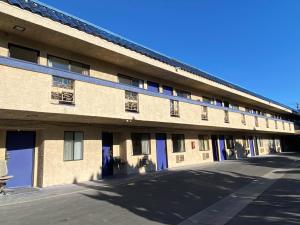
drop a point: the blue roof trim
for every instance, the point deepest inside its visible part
(79, 24)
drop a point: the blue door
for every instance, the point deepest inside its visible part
(215, 148)
(161, 152)
(20, 152)
(222, 148)
(107, 154)
(251, 143)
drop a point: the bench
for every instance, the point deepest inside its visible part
(4, 177)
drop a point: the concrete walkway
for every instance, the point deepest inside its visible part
(213, 193)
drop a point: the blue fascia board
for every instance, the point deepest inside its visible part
(82, 25)
(20, 64)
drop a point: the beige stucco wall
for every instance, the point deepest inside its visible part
(31, 91)
(2, 144)
(57, 171)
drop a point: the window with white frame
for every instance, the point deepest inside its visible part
(174, 108)
(130, 81)
(131, 101)
(69, 65)
(62, 91)
(203, 143)
(178, 143)
(73, 146)
(226, 116)
(204, 113)
(140, 143)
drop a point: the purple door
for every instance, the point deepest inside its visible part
(107, 154)
(251, 146)
(152, 86)
(20, 152)
(222, 148)
(161, 152)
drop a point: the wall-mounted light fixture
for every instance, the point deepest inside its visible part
(19, 28)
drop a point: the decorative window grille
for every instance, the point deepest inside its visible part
(243, 119)
(226, 117)
(131, 101)
(179, 158)
(256, 121)
(267, 123)
(204, 115)
(205, 156)
(62, 91)
(174, 108)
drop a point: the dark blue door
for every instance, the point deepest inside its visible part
(215, 148)
(161, 152)
(20, 152)
(107, 154)
(152, 86)
(251, 146)
(222, 148)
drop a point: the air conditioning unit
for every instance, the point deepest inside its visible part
(61, 96)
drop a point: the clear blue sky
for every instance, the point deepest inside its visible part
(252, 43)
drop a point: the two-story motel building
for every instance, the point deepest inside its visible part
(79, 103)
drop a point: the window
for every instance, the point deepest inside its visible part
(219, 102)
(245, 142)
(236, 107)
(174, 108)
(261, 142)
(256, 121)
(203, 143)
(207, 100)
(226, 116)
(152, 86)
(267, 123)
(131, 101)
(204, 113)
(243, 118)
(62, 91)
(73, 146)
(64, 64)
(248, 110)
(130, 81)
(167, 90)
(22, 53)
(226, 104)
(178, 142)
(140, 143)
(229, 143)
(183, 94)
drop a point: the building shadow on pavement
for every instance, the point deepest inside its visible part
(177, 195)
